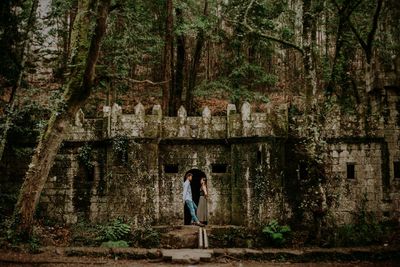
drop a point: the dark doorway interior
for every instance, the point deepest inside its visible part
(195, 186)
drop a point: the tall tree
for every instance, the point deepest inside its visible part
(168, 62)
(195, 62)
(86, 46)
(175, 96)
(368, 44)
(308, 57)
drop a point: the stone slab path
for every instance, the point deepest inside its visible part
(189, 256)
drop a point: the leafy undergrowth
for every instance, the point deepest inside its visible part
(119, 234)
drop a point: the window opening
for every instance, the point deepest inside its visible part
(171, 168)
(219, 168)
(396, 169)
(351, 173)
(303, 171)
(259, 158)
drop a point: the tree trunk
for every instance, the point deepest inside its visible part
(176, 91)
(195, 65)
(168, 57)
(24, 48)
(309, 70)
(87, 46)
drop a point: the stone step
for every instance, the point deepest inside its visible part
(187, 256)
(176, 237)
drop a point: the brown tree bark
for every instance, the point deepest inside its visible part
(195, 64)
(168, 64)
(367, 45)
(308, 60)
(175, 100)
(78, 89)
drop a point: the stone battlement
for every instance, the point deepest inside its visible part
(273, 122)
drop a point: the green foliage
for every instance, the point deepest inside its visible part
(84, 233)
(366, 230)
(34, 244)
(120, 145)
(146, 237)
(116, 231)
(251, 76)
(276, 232)
(85, 155)
(27, 122)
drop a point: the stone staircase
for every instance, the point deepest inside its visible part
(184, 244)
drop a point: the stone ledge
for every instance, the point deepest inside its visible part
(374, 253)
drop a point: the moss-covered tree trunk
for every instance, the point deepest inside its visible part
(86, 46)
(195, 64)
(308, 58)
(168, 64)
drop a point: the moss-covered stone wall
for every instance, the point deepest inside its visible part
(133, 166)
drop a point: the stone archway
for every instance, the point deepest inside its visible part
(195, 186)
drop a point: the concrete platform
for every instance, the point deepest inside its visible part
(187, 256)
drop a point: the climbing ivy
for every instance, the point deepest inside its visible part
(85, 155)
(120, 145)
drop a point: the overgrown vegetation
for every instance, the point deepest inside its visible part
(276, 233)
(85, 155)
(365, 230)
(114, 234)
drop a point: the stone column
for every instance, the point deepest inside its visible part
(116, 113)
(206, 115)
(246, 119)
(182, 115)
(230, 110)
(138, 129)
(157, 111)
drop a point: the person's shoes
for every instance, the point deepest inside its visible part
(199, 224)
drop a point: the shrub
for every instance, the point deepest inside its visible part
(276, 232)
(116, 231)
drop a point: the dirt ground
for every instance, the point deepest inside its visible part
(14, 259)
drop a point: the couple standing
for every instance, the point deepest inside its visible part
(199, 219)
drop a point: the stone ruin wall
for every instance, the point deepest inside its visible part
(249, 145)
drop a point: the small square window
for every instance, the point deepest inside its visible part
(219, 168)
(302, 171)
(259, 157)
(396, 169)
(171, 168)
(351, 171)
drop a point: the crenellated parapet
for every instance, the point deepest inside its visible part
(245, 123)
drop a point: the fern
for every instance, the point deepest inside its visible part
(116, 231)
(276, 232)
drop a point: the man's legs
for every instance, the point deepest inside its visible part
(192, 208)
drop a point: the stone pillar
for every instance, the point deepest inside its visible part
(116, 113)
(206, 115)
(106, 121)
(94, 207)
(138, 127)
(157, 111)
(79, 118)
(246, 119)
(230, 110)
(182, 115)
(69, 216)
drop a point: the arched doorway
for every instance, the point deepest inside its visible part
(195, 186)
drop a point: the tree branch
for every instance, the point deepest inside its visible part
(137, 81)
(371, 34)
(266, 36)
